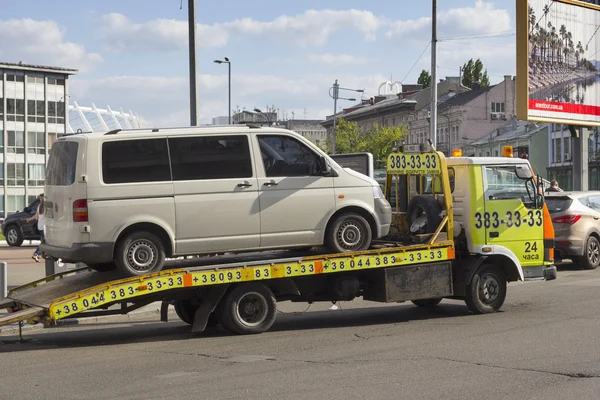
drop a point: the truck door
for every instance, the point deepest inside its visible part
(510, 218)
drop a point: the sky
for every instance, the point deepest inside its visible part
(134, 54)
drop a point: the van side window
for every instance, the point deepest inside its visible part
(285, 156)
(140, 160)
(210, 157)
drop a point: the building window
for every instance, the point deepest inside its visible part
(56, 112)
(15, 174)
(2, 204)
(35, 110)
(497, 107)
(15, 110)
(14, 203)
(35, 142)
(1, 105)
(2, 177)
(35, 79)
(15, 78)
(16, 142)
(36, 174)
(56, 81)
(1, 140)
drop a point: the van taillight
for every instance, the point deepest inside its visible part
(567, 219)
(80, 210)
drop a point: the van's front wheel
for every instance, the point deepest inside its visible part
(140, 253)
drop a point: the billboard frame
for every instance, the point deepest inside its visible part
(522, 78)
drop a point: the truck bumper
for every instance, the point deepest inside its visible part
(80, 252)
(546, 272)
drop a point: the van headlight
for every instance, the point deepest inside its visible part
(377, 192)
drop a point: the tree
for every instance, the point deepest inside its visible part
(473, 72)
(424, 79)
(378, 141)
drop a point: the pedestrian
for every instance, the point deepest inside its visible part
(40, 217)
(553, 187)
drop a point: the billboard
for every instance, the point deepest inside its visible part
(558, 61)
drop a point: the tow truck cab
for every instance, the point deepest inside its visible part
(498, 209)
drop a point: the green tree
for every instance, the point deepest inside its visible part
(473, 72)
(379, 140)
(424, 79)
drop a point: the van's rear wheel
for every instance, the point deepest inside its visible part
(248, 308)
(349, 232)
(140, 253)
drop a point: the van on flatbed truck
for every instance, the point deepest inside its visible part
(462, 228)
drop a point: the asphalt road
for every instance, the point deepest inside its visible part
(543, 345)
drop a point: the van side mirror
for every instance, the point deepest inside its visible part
(324, 166)
(523, 172)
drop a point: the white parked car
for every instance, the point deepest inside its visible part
(128, 199)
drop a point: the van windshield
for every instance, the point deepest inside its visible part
(61, 164)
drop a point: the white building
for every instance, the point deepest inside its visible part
(220, 120)
(33, 104)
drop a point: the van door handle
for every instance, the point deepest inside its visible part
(244, 185)
(272, 183)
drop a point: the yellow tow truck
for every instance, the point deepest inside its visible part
(463, 227)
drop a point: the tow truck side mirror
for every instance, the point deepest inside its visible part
(523, 172)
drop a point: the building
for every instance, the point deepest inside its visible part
(309, 128)
(523, 136)
(33, 105)
(257, 118)
(220, 120)
(92, 119)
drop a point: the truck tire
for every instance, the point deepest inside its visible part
(103, 267)
(487, 290)
(348, 232)
(425, 209)
(140, 253)
(591, 259)
(247, 309)
(186, 311)
(14, 236)
(427, 303)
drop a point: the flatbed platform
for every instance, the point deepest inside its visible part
(85, 292)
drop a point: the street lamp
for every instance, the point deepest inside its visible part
(334, 93)
(258, 111)
(226, 61)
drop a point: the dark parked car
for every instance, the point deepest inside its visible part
(15, 229)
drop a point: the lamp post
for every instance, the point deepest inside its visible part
(334, 93)
(226, 61)
(258, 111)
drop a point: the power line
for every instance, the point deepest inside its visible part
(416, 62)
(510, 32)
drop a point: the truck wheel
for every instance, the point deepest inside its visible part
(186, 311)
(423, 214)
(487, 290)
(14, 236)
(248, 309)
(426, 303)
(140, 253)
(103, 267)
(349, 232)
(592, 254)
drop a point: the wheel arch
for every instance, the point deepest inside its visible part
(366, 214)
(502, 257)
(151, 227)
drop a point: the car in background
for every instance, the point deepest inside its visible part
(16, 230)
(576, 221)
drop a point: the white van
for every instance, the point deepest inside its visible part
(127, 199)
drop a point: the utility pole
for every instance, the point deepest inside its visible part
(336, 93)
(193, 71)
(433, 124)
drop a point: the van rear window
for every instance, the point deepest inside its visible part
(62, 163)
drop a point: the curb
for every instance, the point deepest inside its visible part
(151, 309)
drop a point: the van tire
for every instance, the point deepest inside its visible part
(103, 267)
(424, 206)
(142, 248)
(236, 316)
(13, 235)
(348, 232)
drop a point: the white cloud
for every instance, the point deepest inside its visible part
(43, 42)
(336, 59)
(482, 18)
(311, 28)
(164, 101)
